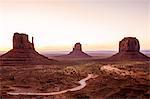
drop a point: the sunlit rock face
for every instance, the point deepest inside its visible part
(23, 52)
(129, 44)
(129, 49)
(21, 41)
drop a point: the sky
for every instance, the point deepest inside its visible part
(57, 25)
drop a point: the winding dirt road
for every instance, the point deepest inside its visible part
(82, 83)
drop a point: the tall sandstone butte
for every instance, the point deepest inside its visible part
(129, 44)
(20, 41)
(76, 52)
(129, 49)
(23, 52)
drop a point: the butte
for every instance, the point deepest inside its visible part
(129, 49)
(23, 53)
(76, 52)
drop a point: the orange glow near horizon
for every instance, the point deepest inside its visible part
(57, 25)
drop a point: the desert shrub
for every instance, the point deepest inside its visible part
(89, 69)
(70, 71)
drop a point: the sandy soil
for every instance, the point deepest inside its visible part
(116, 80)
(82, 83)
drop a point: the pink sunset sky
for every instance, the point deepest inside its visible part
(58, 24)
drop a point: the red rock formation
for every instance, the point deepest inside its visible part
(23, 52)
(129, 44)
(77, 52)
(77, 46)
(129, 49)
(20, 41)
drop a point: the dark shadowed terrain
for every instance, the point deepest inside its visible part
(116, 80)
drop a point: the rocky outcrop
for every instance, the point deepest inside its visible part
(20, 41)
(129, 49)
(23, 53)
(77, 47)
(76, 52)
(129, 44)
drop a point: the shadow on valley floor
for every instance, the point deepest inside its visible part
(116, 80)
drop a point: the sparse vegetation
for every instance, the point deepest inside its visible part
(51, 78)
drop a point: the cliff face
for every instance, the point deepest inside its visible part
(129, 49)
(77, 52)
(20, 41)
(23, 53)
(77, 47)
(129, 44)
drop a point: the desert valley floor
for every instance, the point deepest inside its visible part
(114, 80)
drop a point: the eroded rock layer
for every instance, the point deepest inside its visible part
(129, 49)
(76, 52)
(23, 52)
(129, 44)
